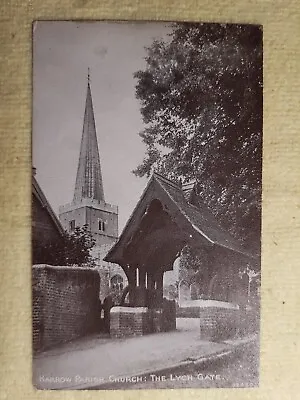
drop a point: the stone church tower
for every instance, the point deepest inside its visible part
(89, 207)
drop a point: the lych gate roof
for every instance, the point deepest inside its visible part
(200, 218)
(89, 178)
(184, 207)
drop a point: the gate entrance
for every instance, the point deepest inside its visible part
(168, 217)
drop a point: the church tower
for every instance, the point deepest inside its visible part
(88, 206)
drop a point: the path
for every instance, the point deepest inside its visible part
(92, 361)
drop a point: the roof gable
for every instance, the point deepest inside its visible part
(41, 198)
(193, 217)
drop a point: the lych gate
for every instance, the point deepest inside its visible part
(150, 252)
(168, 217)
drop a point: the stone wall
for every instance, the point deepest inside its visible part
(65, 304)
(89, 212)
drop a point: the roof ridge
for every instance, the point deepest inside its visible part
(45, 203)
(189, 184)
(167, 180)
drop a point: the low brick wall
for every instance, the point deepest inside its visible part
(221, 320)
(137, 321)
(169, 315)
(188, 312)
(218, 323)
(129, 321)
(65, 304)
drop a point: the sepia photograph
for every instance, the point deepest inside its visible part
(146, 204)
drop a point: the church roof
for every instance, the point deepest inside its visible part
(41, 198)
(185, 208)
(89, 183)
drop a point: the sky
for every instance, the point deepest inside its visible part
(62, 53)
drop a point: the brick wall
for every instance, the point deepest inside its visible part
(218, 323)
(65, 304)
(129, 321)
(169, 315)
(138, 321)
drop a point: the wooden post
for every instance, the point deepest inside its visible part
(150, 290)
(137, 275)
(141, 290)
(150, 281)
(142, 278)
(132, 278)
(159, 284)
(134, 275)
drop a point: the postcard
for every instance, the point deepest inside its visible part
(146, 204)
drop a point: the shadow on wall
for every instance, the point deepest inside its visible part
(65, 304)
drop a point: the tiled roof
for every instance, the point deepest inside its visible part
(198, 217)
(40, 196)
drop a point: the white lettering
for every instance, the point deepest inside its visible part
(158, 378)
(208, 377)
(125, 379)
(55, 379)
(181, 377)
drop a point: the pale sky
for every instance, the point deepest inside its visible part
(62, 53)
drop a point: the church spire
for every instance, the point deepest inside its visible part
(89, 178)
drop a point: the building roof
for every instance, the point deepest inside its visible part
(41, 198)
(89, 183)
(185, 208)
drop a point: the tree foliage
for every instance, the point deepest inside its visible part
(201, 102)
(71, 249)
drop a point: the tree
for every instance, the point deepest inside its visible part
(191, 262)
(201, 102)
(71, 249)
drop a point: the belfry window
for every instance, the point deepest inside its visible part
(101, 225)
(72, 225)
